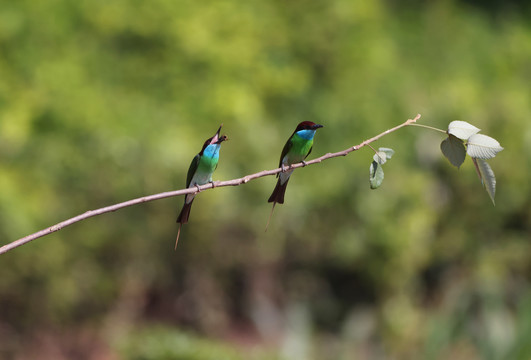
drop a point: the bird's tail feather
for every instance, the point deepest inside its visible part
(183, 219)
(278, 193)
(178, 233)
(277, 197)
(185, 213)
(270, 215)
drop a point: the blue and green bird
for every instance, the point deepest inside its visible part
(297, 148)
(200, 172)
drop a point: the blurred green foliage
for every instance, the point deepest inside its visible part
(160, 343)
(101, 102)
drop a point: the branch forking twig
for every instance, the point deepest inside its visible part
(215, 184)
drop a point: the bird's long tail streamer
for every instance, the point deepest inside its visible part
(270, 214)
(178, 233)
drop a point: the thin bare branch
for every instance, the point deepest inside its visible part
(215, 184)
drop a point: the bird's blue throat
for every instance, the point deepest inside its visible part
(212, 151)
(306, 134)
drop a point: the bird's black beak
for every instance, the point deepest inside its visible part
(317, 126)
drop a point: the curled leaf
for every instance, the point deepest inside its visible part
(376, 175)
(462, 129)
(481, 146)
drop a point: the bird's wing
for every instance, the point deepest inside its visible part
(309, 152)
(285, 150)
(192, 169)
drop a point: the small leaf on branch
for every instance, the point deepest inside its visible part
(383, 155)
(454, 150)
(388, 151)
(487, 177)
(376, 175)
(462, 129)
(481, 146)
(380, 157)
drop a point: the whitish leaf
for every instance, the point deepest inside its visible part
(481, 146)
(389, 152)
(462, 129)
(454, 150)
(383, 155)
(486, 175)
(380, 157)
(376, 175)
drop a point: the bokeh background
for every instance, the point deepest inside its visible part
(105, 101)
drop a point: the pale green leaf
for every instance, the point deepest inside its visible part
(462, 129)
(481, 146)
(380, 157)
(388, 151)
(487, 177)
(376, 175)
(454, 150)
(383, 155)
